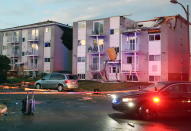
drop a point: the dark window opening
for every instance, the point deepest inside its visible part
(111, 31)
(129, 60)
(47, 44)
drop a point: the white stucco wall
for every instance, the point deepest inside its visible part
(115, 38)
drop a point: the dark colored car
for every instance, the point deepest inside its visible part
(162, 99)
(58, 81)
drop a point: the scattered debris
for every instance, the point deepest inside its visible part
(3, 109)
(131, 124)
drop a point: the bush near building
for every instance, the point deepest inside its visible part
(4, 67)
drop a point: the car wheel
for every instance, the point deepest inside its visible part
(147, 113)
(60, 88)
(38, 86)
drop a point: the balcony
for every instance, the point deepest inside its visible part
(15, 55)
(13, 41)
(31, 53)
(94, 67)
(33, 39)
(31, 67)
(129, 68)
(94, 49)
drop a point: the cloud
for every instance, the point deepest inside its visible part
(88, 9)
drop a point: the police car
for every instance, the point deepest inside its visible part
(163, 98)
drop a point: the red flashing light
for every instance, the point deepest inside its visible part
(156, 99)
(67, 81)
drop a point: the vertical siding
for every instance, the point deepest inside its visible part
(74, 52)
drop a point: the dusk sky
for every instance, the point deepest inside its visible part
(21, 12)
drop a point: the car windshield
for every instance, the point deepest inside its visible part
(72, 77)
(154, 87)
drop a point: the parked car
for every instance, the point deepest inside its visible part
(162, 99)
(58, 81)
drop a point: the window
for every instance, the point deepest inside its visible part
(111, 31)
(82, 76)
(99, 42)
(132, 77)
(132, 44)
(47, 59)
(153, 37)
(47, 44)
(154, 78)
(157, 37)
(23, 53)
(129, 60)
(72, 77)
(47, 29)
(35, 60)
(98, 27)
(154, 57)
(81, 42)
(114, 69)
(23, 39)
(81, 59)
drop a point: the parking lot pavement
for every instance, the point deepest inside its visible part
(79, 112)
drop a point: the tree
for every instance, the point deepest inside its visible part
(67, 37)
(4, 67)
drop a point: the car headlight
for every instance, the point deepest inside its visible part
(127, 99)
(113, 96)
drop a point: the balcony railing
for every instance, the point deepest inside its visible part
(95, 49)
(13, 41)
(31, 53)
(129, 68)
(94, 67)
(31, 67)
(94, 33)
(33, 38)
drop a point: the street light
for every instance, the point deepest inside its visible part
(186, 10)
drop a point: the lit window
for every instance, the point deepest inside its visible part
(47, 29)
(81, 42)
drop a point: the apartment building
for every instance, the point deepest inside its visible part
(37, 48)
(153, 50)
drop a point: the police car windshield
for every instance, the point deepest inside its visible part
(154, 87)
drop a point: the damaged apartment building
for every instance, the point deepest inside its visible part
(120, 49)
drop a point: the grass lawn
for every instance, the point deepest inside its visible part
(91, 85)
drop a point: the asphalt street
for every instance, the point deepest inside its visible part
(78, 113)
